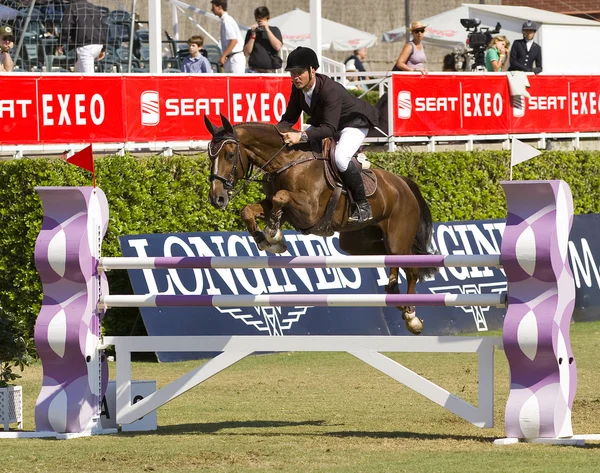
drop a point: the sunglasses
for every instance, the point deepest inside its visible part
(7, 38)
(420, 30)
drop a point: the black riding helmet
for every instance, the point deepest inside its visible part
(302, 58)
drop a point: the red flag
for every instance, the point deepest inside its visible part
(84, 159)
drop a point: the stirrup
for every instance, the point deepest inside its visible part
(361, 214)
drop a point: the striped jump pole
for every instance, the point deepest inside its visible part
(291, 262)
(292, 300)
(540, 299)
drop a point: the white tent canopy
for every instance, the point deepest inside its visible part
(295, 28)
(445, 29)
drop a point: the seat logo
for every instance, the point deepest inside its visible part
(404, 105)
(150, 108)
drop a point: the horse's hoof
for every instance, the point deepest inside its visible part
(277, 248)
(413, 323)
(392, 288)
(261, 241)
(273, 236)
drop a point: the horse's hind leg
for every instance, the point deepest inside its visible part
(413, 323)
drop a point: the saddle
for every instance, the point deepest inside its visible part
(334, 181)
(332, 174)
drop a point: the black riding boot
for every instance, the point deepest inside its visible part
(361, 212)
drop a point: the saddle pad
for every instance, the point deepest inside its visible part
(368, 176)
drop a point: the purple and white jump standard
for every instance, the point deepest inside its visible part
(541, 295)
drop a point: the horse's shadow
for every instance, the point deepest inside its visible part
(215, 427)
(233, 428)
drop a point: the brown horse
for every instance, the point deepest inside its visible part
(297, 192)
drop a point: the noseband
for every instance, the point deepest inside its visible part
(228, 182)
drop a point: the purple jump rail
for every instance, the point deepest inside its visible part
(541, 296)
(291, 262)
(291, 300)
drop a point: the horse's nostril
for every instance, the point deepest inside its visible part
(221, 200)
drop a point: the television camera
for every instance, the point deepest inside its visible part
(477, 42)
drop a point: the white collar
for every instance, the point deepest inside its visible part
(311, 90)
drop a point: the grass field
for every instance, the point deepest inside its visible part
(300, 412)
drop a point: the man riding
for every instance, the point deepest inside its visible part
(334, 113)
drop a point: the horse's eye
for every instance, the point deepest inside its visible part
(229, 156)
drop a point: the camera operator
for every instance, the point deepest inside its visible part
(477, 43)
(497, 54)
(525, 51)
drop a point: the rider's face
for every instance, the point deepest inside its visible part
(301, 78)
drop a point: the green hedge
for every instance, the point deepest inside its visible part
(162, 195)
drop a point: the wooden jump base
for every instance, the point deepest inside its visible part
(541, 296)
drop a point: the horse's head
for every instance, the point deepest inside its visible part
(227, 163)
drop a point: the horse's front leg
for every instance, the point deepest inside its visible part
(249, 215)
(273, 229)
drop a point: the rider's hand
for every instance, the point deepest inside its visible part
(291, 138)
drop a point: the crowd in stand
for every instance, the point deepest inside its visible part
(87, 38)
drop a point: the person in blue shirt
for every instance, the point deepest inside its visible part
(196, 62)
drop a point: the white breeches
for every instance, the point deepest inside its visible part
(350, 141)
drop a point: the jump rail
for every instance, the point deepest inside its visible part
(541, 296)
(284, 262)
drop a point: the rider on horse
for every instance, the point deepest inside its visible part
(334, 112)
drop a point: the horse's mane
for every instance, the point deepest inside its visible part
(278, 128)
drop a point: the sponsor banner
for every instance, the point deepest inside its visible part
(470, 104)
(71, 109)
(18, 110)
(173, 108)
(481, 237)
(452, 238)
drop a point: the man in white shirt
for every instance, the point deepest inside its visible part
(232, 43)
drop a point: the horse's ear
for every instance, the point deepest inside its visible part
(209, 126)
(227, 126)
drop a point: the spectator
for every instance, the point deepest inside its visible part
(83, 27)
(263, 43)
(497, 54)
(412, 57)
(196, 62)
(449, 63)
(232, 59)
(354, 62)
(525, 51)
(6, 44)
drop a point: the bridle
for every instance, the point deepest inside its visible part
(214, 149)
(228, 182)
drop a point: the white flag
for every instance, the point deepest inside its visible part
(521, 152)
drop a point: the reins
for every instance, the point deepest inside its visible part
(214, 149)
(258, 173)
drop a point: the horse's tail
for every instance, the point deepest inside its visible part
(424, 231)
